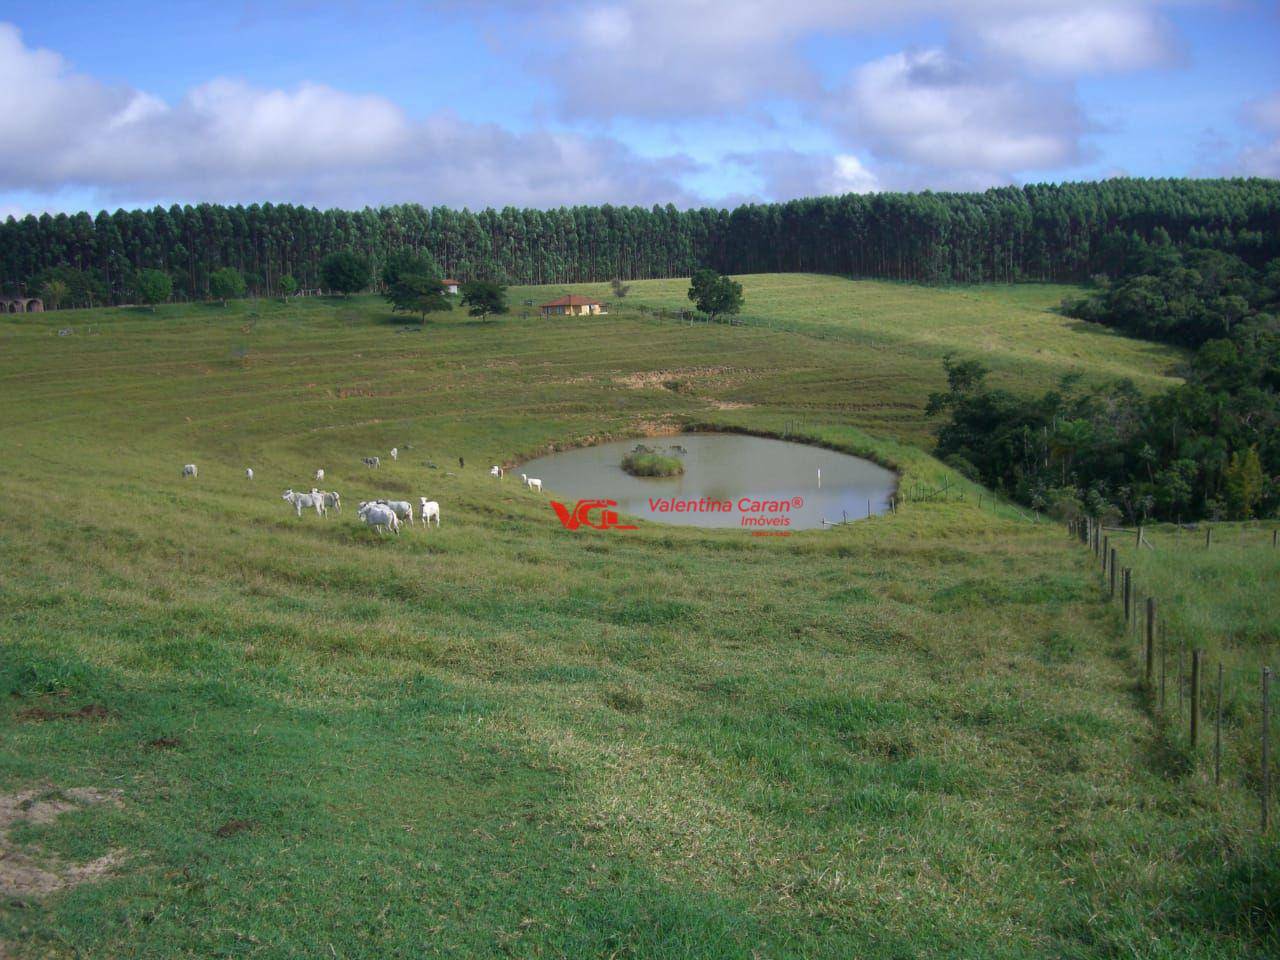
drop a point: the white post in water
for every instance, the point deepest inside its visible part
(819, 478)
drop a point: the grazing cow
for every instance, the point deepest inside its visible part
(320, 475)
(331, 500)
(190, 471)
(401, 508)
(304, 501)
(379, 517)
(370, 461)
(533, 483)
(395, 453)
(495, 471)
(427, 510)
(248, 473)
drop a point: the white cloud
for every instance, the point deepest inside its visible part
(975, 126)
(229, 141)
(788, 174)
(1083, 40)
(674, 58)
(1262, 159)
(1263, 114)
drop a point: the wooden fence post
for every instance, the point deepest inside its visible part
(1113, 573)
(1106, 553)
(1164, 668)
(1208, 537)
(1151, 639)
(1266, 747)
(1182, 658)
(1217, 734)
(1195, 697)
(1128, 593)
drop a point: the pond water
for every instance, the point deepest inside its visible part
(730, 480)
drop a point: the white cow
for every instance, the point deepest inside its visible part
(248, 473)
(379, 517)
(495, 471)
(189, 470)
(403, 509)
(395, 453)
(533, 483)
(304, 501)
(331, 500)
(428, 509)
(320, 475)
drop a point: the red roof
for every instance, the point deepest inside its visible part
(573, 300)
(449, 283)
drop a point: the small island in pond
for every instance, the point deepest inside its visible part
(646, 462)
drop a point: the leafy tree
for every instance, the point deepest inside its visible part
(152, 287)
(484, 297)
(418, 294)
(619, 288)
(345, 272)
(288, 285)
(54, 293)
(963, 378)
(714, 294)
(83, 288)
(226, 284)
(408, 262)
(1244, 483)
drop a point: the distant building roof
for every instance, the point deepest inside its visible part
(573, 300)
(449, 282)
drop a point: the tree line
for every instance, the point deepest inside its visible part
(1043, 232)
(1207, 448)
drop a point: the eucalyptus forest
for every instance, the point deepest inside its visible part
(1066, 232)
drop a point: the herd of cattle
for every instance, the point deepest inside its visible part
(381, 515)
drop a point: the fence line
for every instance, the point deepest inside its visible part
(1153, 638)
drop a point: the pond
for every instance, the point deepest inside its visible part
(730, 480)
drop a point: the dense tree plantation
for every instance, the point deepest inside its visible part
(1063, 232)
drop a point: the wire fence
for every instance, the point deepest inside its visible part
(1215, 705)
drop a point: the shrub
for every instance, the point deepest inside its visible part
(648, 464)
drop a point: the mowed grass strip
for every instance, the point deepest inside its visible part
(911, 736)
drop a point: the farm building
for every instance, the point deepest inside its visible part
(21, 305)
(572, 304)
(450, 285)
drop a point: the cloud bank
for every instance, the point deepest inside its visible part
(228, 141)
(992, 100)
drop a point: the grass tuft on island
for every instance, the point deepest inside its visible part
(643, 462)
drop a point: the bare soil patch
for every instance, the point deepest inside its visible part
(36, 873)
(90, 711)
(645, 379)
(233, 827)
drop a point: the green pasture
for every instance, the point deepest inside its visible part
(913, 736)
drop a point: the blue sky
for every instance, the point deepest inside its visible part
(533, 102)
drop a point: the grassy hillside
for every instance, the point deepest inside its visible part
(911, 736)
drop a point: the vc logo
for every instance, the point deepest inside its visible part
(580, 515)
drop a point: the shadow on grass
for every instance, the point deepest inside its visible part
(1237, 893)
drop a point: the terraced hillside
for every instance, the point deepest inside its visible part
(228, 731)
